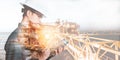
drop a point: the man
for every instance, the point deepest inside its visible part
(17, 51)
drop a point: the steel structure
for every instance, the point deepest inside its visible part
(85, 47)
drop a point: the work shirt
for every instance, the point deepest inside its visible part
(14, 50)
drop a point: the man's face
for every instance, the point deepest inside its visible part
(35, 18)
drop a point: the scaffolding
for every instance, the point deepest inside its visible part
(86, 47)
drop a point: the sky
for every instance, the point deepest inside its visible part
(89, 14)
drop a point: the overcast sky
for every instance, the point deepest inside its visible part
(89, 14)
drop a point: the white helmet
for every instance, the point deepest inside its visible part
(38, 5)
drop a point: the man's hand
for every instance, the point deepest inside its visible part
(59, 50)
(55, 52)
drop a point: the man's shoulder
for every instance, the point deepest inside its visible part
(11, 37)
(13, 34)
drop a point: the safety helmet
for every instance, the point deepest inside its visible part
(38, 5)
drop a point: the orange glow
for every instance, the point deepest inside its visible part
(47, 37)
